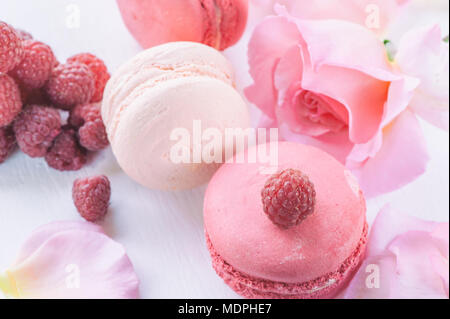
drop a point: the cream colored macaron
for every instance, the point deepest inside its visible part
(158, 106)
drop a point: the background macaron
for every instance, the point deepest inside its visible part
(217, 23)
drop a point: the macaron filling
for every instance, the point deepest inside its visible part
(325, 286)
(221, 19)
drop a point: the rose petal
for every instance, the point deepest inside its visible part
(423, 54)
(441, 267)
(403, 259)
(374, 279)
(415, 277)
(76, 264)
(388, 224)
(394, 166)
(360, 79)
(43, 233)
(263, 58)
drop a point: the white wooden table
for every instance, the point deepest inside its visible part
(162, 232)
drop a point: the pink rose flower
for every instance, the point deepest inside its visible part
(329, 83)
(66, 260)
(405, 258)
(422, 54)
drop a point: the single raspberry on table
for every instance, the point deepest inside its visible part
(11, 48)
(70, 84)
(7, 142)
(98, 68)
(10, 100)
(91, 197)
(36, 66)
(36, 128)
(66, 154)
(288, 197)
(92, 131)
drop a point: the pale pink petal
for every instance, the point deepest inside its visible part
(415, 277)
(288, 71)
(403, 259)
(269, 42)
(76, 264)
(423, 54)
(43, 233)
(430, 109)
(401, 159)
(375, 15)
(343, 44)
(374, 279)
(390, 223)
(441, 267)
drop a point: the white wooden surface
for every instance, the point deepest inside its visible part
(162, 232)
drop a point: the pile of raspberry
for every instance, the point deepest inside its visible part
(37, 93)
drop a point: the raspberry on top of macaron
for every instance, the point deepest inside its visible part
(299, 233)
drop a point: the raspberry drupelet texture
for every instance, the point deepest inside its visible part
(11, 48)
(288, 197)
(98, 68)
(91, 197)
(92, 131)
(66, 154)
(10, 100)
(7, 142)
(24, 35)
(93, 135)
(36, 66)
(83, 113)
(70, 84)
(36, 128)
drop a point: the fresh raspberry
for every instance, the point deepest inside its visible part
(83, 113)
(11, 48)
(66, 154)
(99, 70)
(36, 128)
(24, 35)
(36, 66)
(93, 135)
(92, 131)
(288, 198)
(10, 100)
(7, 142)
(91, 197)
(70, 84)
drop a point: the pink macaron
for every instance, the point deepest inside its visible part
(262, 255)
(217, 23)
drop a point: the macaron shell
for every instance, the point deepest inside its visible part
(143, 141)
(154, 22)
(160, 64)
(162, 89)
(217, 23)
(245, 238)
